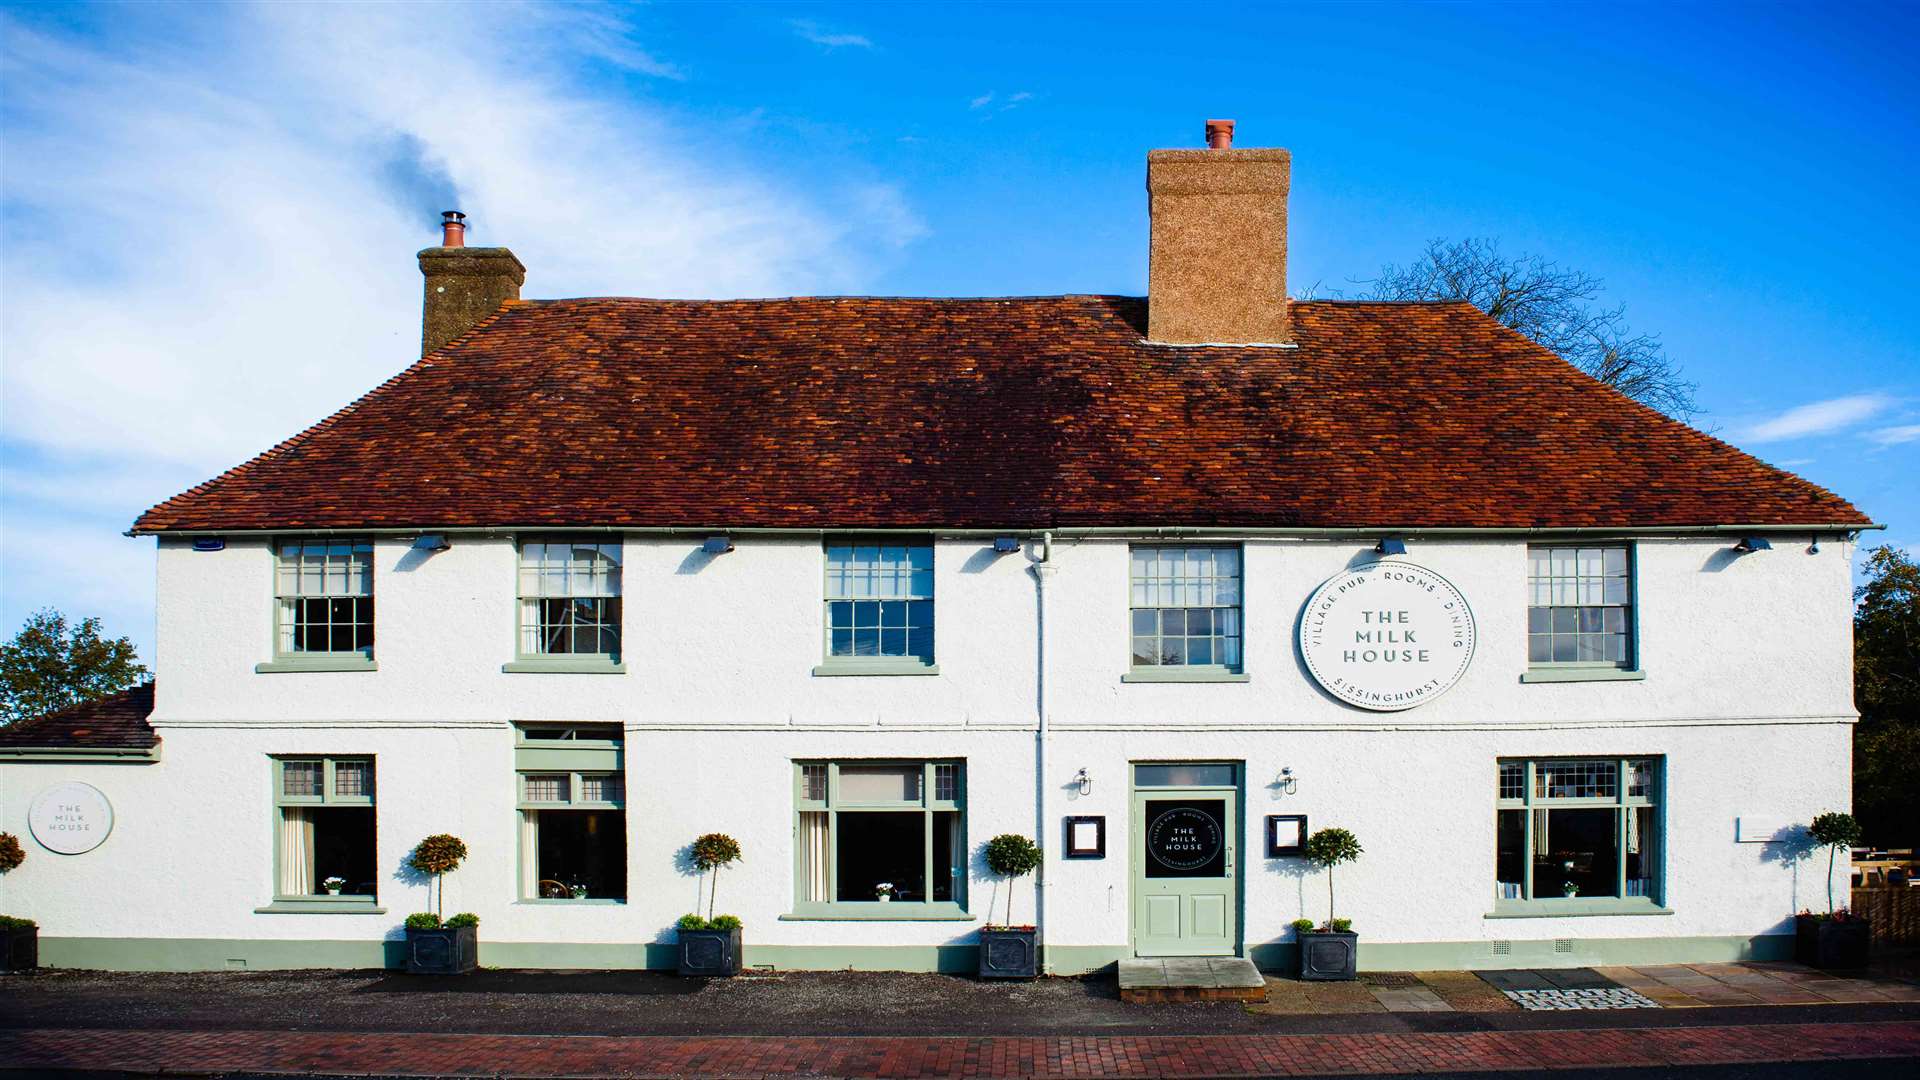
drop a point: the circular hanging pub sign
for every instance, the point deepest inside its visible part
(1387, 636)
(71, 818)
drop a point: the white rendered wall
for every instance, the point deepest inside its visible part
(1747, 696)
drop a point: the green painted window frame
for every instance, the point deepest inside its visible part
(1137, 672)
(832, 665)
(1567, 671)
(310, 903)
(1527, 905)
(570, 663)
(287, 659)
(578, 751)
(930, 804)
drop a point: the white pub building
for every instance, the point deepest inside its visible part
(1165, 583)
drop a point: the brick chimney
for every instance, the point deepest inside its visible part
(464, 284)
(1217, 260)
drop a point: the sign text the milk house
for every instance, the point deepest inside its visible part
(1387, 635)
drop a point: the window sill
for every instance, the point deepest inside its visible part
(1183, 675)
(1550, 909)
(556, 666)
(858, 911)
(875, 667)
(320, 905)
(591, 901)
(355, 662)
(1574, 673)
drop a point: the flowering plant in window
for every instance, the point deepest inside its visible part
(579, 891)
(884, 890)
(333, 885)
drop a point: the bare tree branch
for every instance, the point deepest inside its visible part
(1554, 307)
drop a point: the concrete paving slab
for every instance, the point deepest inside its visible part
(1190, 978)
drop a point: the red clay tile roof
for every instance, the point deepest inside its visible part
(115, 722)
(1022, 412)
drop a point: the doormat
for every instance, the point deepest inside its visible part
(1610, 998)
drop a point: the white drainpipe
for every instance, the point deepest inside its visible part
(1043, 570)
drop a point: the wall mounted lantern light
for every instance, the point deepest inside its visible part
(717, 545)
(1287, 783)
(1086, 782)
(1750, 544)
(1391, 545)
(431, 542)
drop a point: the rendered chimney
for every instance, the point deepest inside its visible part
(463, 284)
(1217, 257)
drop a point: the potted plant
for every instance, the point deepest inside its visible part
(1840, 938)
(333, 885)
(19, 938)
(883, 892)
(433, 947)
(1329, 952)
(1569, 888)
(711, 946)
(437, 948)
(1008, 951)
(579, 892)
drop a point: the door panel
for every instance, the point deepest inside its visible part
(1185, 885)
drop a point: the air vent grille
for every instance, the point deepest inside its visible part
(1563, 945)
(1501, 948)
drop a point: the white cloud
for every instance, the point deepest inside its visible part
(1893, 436)
(812, 31)
(1815, 418)
(210, 220)
(982, 101)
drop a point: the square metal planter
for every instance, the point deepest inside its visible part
(713, 954)
(1832, 943)
(20, 949)
(450, 950)
(1328, 956)
(1009, 954)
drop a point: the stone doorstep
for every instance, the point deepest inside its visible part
(1190, 978)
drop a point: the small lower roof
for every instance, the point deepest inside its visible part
(116, 722)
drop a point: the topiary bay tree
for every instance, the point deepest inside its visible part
(1011, 856)
(1834, 831)
(1330, 848)
(438, 855)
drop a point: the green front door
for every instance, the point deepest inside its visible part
(1186, 895)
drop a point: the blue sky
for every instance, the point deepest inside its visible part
(208, 213)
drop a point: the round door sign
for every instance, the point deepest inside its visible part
(1387, 636)
(1183, 839)
(71, 818)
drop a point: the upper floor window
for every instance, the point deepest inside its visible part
(570, 598)
(324, 597)
(1186, 606)
(879, 599)
(1580, 605)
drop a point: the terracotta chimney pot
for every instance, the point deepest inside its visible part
(453, 229)
(1219, 134)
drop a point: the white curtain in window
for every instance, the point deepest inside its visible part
(813, 857)
(530, 854)
(959, 855)
(296, 852)
(1541, 844)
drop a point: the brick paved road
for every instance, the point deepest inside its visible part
(906, 1058)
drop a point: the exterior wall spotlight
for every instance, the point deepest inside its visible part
(1390, 545)
(431, 542)
(1085, 782)
(1006, 545)
(717, 545)
(1287, 783)
(1749, 544)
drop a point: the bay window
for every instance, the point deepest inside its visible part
(880, 839)
(1577, 834)
(572, 810)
